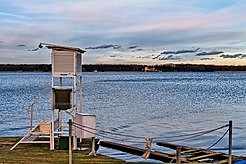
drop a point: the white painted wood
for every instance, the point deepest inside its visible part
(75, 109)
(66, 62)
(52, 139)
(88, 125)
(63, 62)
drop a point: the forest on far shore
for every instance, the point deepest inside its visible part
(126, 68)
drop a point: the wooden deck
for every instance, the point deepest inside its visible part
(137, 151)
(188, 154)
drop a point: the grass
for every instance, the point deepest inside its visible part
(40, 154)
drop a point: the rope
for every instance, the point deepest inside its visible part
(130, 141)
(200, 134)
(188, 154)
(145, 155)
(218, 140)
(192, 135)
(124, 135)
(196, 133)
(187, 136)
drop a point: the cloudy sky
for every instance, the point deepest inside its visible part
(126, 31)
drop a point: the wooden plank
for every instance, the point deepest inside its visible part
(164, 157)
(203, 156)
(186, 148)
(45, 127)
(39, 133)
(121, 147)
(222, 156)
(191, 151)
(173, 146)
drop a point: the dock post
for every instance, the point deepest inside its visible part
(93, 144)
(93, 149)
(178, 155)
(230, 143)
(70, 141)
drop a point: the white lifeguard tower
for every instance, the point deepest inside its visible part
(66, 63)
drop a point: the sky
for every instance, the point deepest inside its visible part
(125, 31)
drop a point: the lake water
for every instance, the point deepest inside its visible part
(139, 104)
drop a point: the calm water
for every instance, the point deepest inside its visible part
(141, 104)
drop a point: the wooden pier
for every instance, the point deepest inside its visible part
(164, 157)
(188, 154)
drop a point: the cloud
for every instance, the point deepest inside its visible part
(170, 57)
(152, 24)
(209, 53)
(132, 47)
(105, 46)
(240, 56)
(1, 41)
(207, 59)
(147, 57)
(179, 51)
(137, 50)
(156, 57)
(11, 15)
(21, 45)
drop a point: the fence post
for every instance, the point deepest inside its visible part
(230, 142)
(70, 141)
(178, 155)
(93, 144)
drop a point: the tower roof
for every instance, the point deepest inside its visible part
(65, 48)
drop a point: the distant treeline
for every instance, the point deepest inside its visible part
(25, 67)
(163, 68)
(112, 67)
(131, 67)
